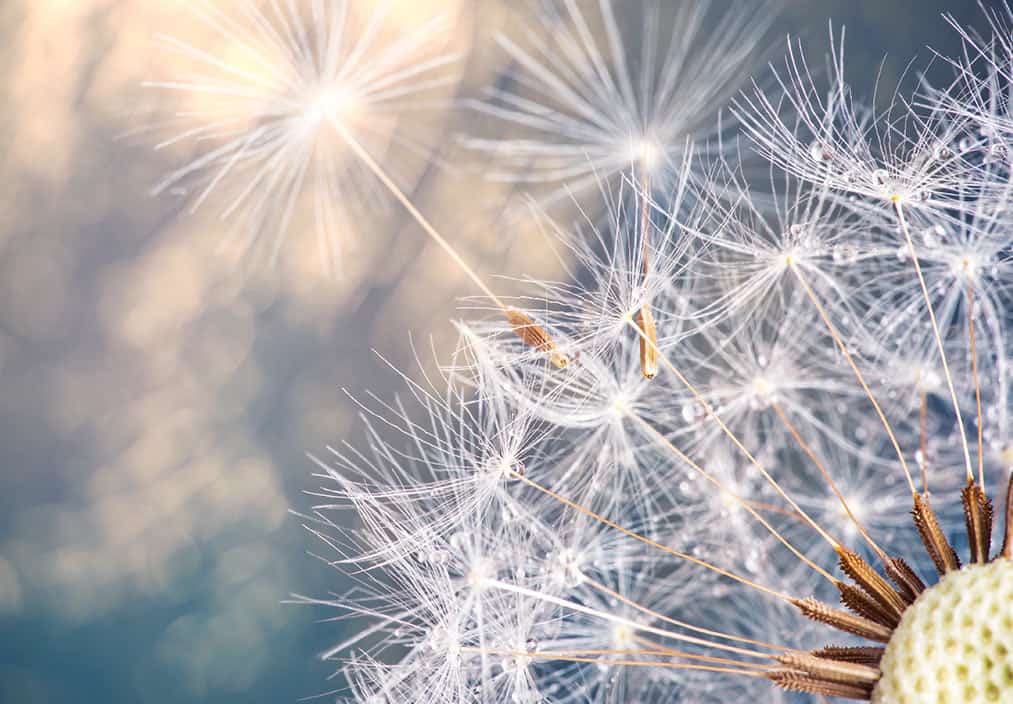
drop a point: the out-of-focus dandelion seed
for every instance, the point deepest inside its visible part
(260, 107)
(586, 106)
(315, 93)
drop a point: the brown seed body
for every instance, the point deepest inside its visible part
(536, 337)
(909, 584)
(978, 516)
(830, 670)
(861, 654)
(793, 681)
(842, 620)
(648, 346)
(1007, 543)
(864, 605)
(869, 580)
(938, 547)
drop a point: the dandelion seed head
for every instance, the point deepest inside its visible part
(832, 353)
(620, 405)
(763, 389)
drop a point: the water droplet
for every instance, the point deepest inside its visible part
(689, 412)
(930, 237)
(438, 556)
(844, 253)
(820, 152)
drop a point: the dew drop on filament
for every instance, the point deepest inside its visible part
(689, 412)
(821, 153)
(844, 253)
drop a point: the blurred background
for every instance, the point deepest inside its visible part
(157, 403)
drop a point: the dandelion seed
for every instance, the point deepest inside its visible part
(590, 108)
(891, 156)
(261, 106)
(970, 251)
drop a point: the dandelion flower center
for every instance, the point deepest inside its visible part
(955, 643)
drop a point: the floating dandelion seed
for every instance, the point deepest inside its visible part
(300, 118)
(589, 106)
(262, 108)
(757, 251)
(965, 261)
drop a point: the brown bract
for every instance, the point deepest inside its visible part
(876, 605)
